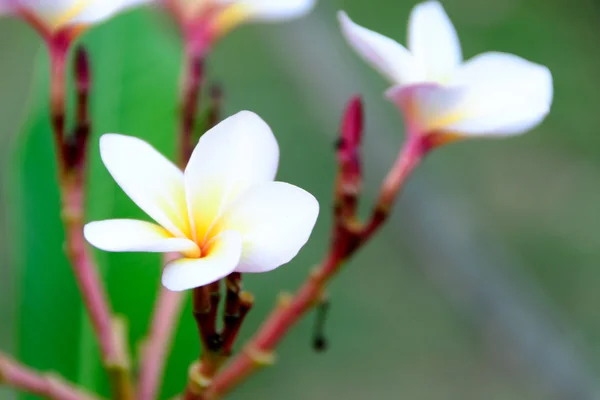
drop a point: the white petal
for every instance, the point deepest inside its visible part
(494, 94)
(275, 10)
(131, 235)
(275, 220)
(506, 94)
(99, 10)
(433, 41)
(149, 179)
(236, 154)
(221, 257)
(387, 56)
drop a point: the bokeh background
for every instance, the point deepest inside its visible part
(485, 283)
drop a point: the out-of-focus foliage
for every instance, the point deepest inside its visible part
(394, 332)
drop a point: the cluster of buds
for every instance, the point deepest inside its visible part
(220, 213)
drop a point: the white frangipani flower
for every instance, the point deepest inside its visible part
(224, 214)
(56, 15)
(491, 94)
(220, 16)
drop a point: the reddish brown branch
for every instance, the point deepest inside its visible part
(193, 77)
(58, 59)
(169, 303)
(348, 237)
(201, 372)
(349, 179)
(75, 146)
(154, 350)
(86, 273)
(233, 284)
(202, 309)
(71, 155)
(233, 322)
(15, 375)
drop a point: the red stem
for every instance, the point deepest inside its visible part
(73, 200)
(154, 351)
(347, 239)
(19, 377)
(72, 178)
(193, 77)
(58, 56)
(233, 322)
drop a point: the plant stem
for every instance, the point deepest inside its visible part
(202, 371)
(169, 304)
(154, 350)
(347, 239)
(72, 178)
(19, 377)
(193, 77)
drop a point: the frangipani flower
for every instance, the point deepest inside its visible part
(492, 94)
(223, 214)
(205, 21)
(54, 17)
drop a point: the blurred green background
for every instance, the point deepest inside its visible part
(484, 285)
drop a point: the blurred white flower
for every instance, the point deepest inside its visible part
(492, 94)
(56, 15)
(223, 214)
(220, 16)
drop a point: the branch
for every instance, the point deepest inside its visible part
(71, 157)
(169, 304)
(237, 306)
(19, 377)
(154, 350)
(193, 77)
(348, 237)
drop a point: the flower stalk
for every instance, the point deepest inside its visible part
(233, 321)
(169, 304)
(193, 78)
(71, 158)
(48, 386)
(154, 350)
(348, 236)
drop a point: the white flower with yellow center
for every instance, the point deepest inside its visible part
(217, 17)
(52, 16)
(223, 214)
(491, 94)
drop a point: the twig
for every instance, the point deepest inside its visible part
(233, 323)
(348, 237)
(202, 371)
(469, 273)
(71, 158)
(22, 378)
(206, 300)
(154, 350)
(193, 77)
(231, 313)
(120, 369)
